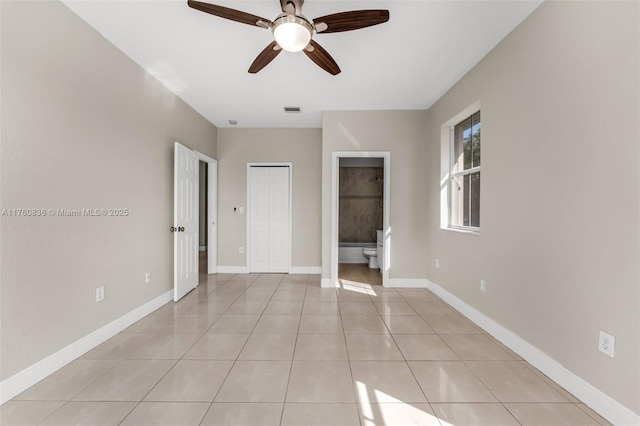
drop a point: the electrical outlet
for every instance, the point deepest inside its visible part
(100, 294)
(483, 285)
(437, 263)
(606, 343)
(241, 250)
(147, 277)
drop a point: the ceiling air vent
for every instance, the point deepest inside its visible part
(290, 110)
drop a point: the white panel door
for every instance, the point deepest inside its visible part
(269, 219)
(259, 214)
(185, 221)
(279, 219)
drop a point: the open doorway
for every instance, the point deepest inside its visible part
(360, 208)
(208, 214)
(202, 218)
(360, 218)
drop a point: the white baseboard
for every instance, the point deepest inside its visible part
(305, 270)
(203, 248)
(292, 270)
(233, 270)
(593, 397)
(406, 283)
(28, 377)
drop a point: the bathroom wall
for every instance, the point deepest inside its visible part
(360, 204)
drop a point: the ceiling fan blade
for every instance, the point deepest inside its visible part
(347, 21)
(232, 14)
(321, 57)
(266, 56)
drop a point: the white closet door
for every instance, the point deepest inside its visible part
(259, 250)
(279, 219)
(269, 227)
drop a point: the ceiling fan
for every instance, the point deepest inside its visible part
(293, 32)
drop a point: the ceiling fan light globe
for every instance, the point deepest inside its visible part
(292, 33)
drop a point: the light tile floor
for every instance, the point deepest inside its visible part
(359, 272)
(279, 350)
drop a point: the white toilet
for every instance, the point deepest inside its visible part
(372, 254)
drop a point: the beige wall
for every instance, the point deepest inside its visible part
(83, 126)
(402, 133)
(559, 242)
(236, 148)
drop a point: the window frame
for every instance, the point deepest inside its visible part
(455, 175)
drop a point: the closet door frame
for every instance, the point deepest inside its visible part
(288, 165)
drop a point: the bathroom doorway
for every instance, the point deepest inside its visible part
(360, 218)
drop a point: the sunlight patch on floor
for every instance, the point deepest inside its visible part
(357, 287)
(392, 411)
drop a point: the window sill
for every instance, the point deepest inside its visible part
(462, 231)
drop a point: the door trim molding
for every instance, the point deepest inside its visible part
(212, 213)
(289, 165)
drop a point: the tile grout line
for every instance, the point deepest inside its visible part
(153, 387)
(181, 357)
(409, 367)
(178, 360)
(239, 352)
(227, 375)
(246, 286)
(472, 372)
(353, 382)
(293, 355)
(464, 362)
(243, 346)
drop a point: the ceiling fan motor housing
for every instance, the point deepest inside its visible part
(285, 5)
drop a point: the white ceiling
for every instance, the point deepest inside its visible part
(406, 63)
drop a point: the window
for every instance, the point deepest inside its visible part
(464, 209)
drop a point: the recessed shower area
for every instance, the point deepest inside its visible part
(360, 185)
